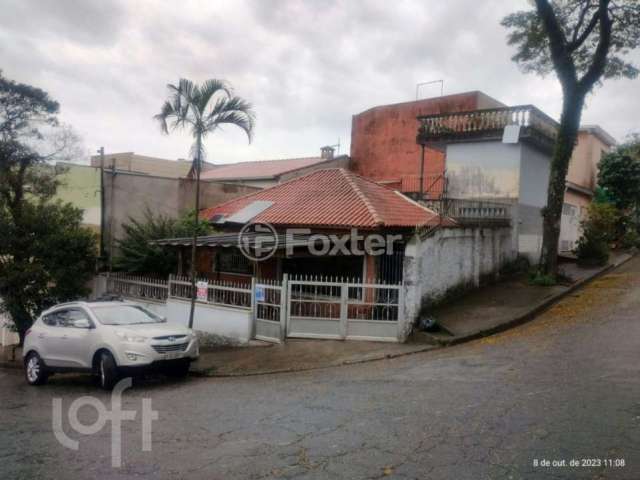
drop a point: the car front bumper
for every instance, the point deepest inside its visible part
(141, 355)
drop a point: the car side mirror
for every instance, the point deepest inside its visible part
(82, 323)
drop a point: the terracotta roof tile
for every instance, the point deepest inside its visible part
(333, 198)
(259, 169)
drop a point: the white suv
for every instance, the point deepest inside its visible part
(107, 339)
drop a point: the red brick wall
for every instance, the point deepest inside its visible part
(383, 139)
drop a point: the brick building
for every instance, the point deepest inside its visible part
(383, 139)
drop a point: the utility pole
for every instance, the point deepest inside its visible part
(102, 203)
(111, 212)
(421, 172)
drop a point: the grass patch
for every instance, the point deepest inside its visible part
(540, 279)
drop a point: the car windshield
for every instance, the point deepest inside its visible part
(125, 315)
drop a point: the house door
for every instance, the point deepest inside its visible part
(269, 311)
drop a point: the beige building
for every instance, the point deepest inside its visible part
(582, 178)
(268, 173)
(134, 163)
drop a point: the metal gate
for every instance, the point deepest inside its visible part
(269, 311)
(338, 309)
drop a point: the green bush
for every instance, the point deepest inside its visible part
(592, 250)
(599, 229)
(541, 279)
(630, 239)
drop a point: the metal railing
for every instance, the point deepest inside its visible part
(330, 297)
(137, 286)
(155, 289)
(231, 294)
(487, 122)
(433, 186)
(471, 211)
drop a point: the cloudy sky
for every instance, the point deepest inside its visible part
(307, 66)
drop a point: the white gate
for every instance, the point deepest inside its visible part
(270, 310)
(336, 309)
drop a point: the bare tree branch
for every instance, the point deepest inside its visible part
(599, 63)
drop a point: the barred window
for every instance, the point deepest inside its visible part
(232, 262)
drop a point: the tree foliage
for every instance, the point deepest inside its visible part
(137, 253)
(619, 175)
(579, 30)
(583, 42)
(45, 255)
(599, 229)
(202, 110)
(24, 110)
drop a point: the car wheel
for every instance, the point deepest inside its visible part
(107, 371)
(35, 371)
(179, 370)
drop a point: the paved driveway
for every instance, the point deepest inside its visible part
(566, 386)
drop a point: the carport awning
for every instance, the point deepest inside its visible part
(247, 240)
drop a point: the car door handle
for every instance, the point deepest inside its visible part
(41, 335)
(64, 337)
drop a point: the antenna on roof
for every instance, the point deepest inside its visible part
(418, 85)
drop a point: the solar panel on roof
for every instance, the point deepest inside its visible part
(247, 213)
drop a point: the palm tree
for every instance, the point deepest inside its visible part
(202, 109)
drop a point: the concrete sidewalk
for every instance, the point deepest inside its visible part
(297, 355)
(506, 304)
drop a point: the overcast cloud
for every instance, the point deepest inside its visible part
(307, 66)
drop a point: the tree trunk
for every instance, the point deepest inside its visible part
(552, 214)
(195, 234)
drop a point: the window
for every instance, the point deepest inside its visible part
(68, 318)
(232, 262)
(125, 315)
(51, 320)
(568, 209)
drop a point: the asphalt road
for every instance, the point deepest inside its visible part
(565, 387)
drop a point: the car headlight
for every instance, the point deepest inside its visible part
(128, 337)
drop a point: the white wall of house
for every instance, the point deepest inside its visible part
(7, 335)
(498, 171)
(452, 257)
(483, 170)
(230, 322)
(534, 183)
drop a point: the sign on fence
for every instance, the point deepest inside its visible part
(202, 291)
(260, 296)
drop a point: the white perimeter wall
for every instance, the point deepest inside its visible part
(235, 323)
(452, 257)
(7, 335)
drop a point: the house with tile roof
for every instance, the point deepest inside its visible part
(360, 259)
(333, 202)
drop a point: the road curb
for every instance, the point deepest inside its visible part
(534, 312)
(211, 373)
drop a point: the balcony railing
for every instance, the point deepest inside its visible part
(433, 186)
(487, 124)
(468, 211)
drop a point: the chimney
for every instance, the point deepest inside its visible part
(327, 153)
